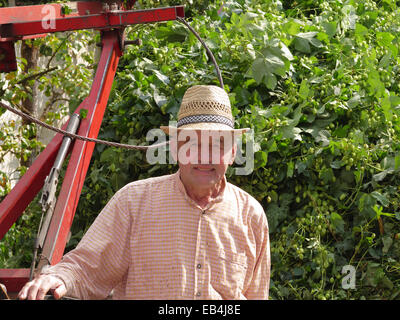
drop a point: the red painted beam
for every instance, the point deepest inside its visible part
(14, 279)
(105, 20)
(8, 60)
(81, 154)
(43, 11)
(38, 12)
(28, 186)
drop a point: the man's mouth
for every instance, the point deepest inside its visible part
(202, 169)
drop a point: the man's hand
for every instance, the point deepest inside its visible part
(38, 287)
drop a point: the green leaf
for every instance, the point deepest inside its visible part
(304, 89)
(384, 38)
(307, 35)
(337, 221)
(376, 86)
(397, 161)
(275, 64)
(366, 205)
(261, 158)
(290, 169)
(270, 81)
(380, 198)
(258, 69)
(385, 60)
(159, 99)
(297, 272)
(387, 243)
(326, 174)
(83, 113)
(285, 51)
(350, 17)
(324, 137)
(291, 27)
(108, 155)
(163, 78)
(382, 175)
(337, 164)
(330, 28)
(45, 50)
(302, 45)
(65, 9)
(379, 212)
(290, 132)
(360, 31)
(301, 166)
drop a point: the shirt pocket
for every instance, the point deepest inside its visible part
(230, 273)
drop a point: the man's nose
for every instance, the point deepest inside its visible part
(208, 154)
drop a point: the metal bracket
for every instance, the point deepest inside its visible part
(8, 61)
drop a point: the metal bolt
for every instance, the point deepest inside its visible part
(106, 7)
(136, 42)
(114, 6)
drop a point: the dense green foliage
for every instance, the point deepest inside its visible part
(318, 81)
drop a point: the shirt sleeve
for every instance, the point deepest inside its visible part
(259, 284)
(100, 260)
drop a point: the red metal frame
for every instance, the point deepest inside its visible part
(7, 56)
(36, 12)
(102, 20)
(16, 23)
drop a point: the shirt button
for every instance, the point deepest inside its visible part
(198, 293)
(199, 266)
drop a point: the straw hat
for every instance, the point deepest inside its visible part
(205, 108)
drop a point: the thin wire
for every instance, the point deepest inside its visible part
(210, 54)
(76, 136)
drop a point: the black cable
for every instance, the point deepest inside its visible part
(209, 53)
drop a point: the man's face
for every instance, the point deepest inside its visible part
(204, 156)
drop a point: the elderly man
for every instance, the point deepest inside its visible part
(189, 235)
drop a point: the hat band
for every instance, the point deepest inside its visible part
(205, 118)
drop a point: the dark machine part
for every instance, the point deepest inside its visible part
(48, 199)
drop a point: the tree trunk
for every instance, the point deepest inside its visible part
(31, 53)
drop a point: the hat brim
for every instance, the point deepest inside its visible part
(204, 127)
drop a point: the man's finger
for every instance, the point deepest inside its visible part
(45, 286)
(24, 291)
(33, 289)
(60, 291)
(38, 288)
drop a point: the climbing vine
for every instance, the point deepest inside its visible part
(318, 82)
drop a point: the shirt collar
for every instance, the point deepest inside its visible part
(182, 190)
